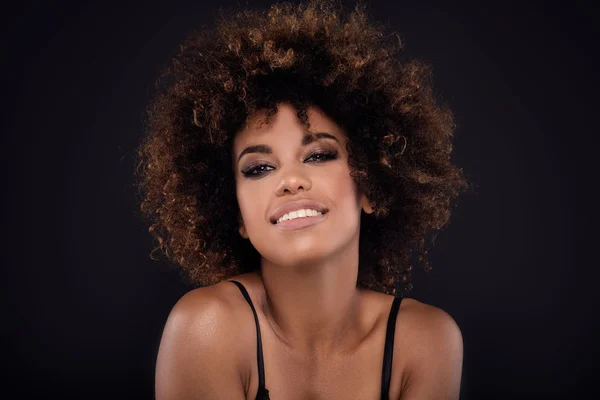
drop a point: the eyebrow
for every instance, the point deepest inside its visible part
(307, 139)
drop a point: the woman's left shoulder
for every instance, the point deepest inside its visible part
(431, 344)
(419, 322)
(416, 319)
(425, 316)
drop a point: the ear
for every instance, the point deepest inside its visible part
(367, 206)
(242, 228)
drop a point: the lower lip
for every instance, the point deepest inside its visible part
(299, 223)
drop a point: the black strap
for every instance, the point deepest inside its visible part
(262, 393)
(388, 352)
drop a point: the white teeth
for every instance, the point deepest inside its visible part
(299, 214)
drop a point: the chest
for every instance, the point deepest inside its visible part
(353, 376)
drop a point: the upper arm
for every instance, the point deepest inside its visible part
(435, 369)
(197, 358)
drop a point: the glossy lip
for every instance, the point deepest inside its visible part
(299, 223)
(297, 205)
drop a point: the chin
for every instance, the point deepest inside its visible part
(296, 256)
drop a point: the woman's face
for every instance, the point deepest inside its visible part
(279, 167)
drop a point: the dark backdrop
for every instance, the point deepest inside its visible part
(83, 304)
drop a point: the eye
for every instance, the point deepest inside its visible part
(322, 155)
(317, 157)
(256, 170)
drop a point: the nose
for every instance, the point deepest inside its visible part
(291, 182)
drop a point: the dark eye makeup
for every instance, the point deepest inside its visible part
(316, 157)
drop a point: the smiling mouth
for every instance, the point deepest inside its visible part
(299, 214)
(301, 222)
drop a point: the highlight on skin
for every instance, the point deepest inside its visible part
(313, 54)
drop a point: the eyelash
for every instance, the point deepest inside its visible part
(249, 171)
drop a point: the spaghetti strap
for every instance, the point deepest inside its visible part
(388, 352)
(263, 393)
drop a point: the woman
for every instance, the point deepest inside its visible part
(294, 163)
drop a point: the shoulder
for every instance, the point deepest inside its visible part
(426, 323)
(432, 343)
(199, 312)
(198, 336)
(206, 313)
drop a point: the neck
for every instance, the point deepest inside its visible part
(314, 308)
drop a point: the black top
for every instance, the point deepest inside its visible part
(388, 352)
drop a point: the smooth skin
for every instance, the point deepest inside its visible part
(322, 337)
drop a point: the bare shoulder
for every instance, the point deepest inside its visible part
(432, 343)
(200, 312)
(424, 322)
(198, 355)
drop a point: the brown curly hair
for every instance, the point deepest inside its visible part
(319, 54)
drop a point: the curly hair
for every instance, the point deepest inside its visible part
(318, 53)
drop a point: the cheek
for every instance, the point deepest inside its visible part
(243, 200)
(250, 201)
(343, 191)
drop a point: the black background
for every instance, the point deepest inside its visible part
(84, 306)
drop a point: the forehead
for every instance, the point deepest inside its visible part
(285, 126)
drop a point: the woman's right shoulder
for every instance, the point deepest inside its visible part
(216, 306)
(203, 302)
(200, 334)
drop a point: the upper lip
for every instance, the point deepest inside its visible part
(296, 205)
